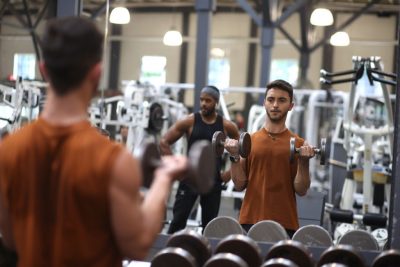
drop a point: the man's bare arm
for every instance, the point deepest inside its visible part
(175, 132)
(136, 223)
(302, 180)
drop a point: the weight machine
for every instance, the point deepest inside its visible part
(366, 131)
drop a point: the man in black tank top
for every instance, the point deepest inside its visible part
(198, 126)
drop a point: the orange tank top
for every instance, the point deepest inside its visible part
(54, 180)
(270, 192)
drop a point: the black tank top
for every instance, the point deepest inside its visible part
(205, 131)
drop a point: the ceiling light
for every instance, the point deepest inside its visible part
(217, 52)
(172, 38)
(321, 17)
(340, 39)
(120, 15)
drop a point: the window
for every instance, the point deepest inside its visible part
(24, 66)
(153, 70)
(219, 68)
(286, 69)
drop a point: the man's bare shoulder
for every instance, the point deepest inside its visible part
(186, 122)
(126, 169)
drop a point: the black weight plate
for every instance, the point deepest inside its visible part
(149, 160)
(242, 246)
(217, 142)
(202, 163)
(293, 251)
(156, 117)
(193, 242)
(244, 145)
(344, 254)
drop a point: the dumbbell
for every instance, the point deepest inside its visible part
(293, 251)
(218, 144)
(189, 240)
(242, 246)
(200, 169)
(320, 151)
(344, 254)
(388, 258)
(173, 257)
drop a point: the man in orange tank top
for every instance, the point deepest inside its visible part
(269, 178)
(68, 195)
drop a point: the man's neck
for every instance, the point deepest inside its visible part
(275, 128)
(209, 119)
(65, 110)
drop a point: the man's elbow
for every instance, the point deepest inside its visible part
(301, 190)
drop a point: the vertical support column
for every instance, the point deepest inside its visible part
(394, 207)
(69, 8)
(204, 9)
(302, 80)
(184, 47)
(267, 42)
(115, 54)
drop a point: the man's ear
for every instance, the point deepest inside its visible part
(43, 70)
(291, 106)
(95, 72)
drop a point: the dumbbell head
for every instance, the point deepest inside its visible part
(200, 169)
(244, 145)
(343, 254)
(389, 258)
(242, 246)
(279, 262)
(193, 242)
(218, 141)
(173, 257)
(226, 260)
(322, 151)
(150, 159)
(293, 251)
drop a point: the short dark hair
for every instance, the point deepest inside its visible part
(212, 91)
(70, 47)
(283, 85)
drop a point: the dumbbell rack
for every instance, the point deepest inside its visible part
(161, 241)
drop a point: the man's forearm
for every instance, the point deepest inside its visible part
(302, 179)
(238, 176)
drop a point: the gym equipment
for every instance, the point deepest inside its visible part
(267, 231)
(279, 262)
(156, 118)
(360, 240)
(173, 257)
(222, 226)
(200, 168)
(347, 216)
(193, 242)
(319, 151)
(242, 246)
(226, 260)
(313, 235)
(389, 258)
(293, 251)
(218, 144)
(343, 254)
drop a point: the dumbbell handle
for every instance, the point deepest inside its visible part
(316, 150)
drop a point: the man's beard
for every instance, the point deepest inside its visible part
(207, 112)
(281, 116)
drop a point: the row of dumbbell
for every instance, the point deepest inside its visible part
(191, 249)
